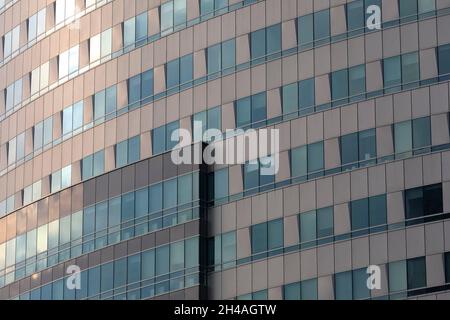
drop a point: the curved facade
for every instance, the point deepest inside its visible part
(92, 90)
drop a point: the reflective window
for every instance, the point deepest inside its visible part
(129, 32)
(343, 286)
(167, 18)
(408, 10)
(214, 59)
(410, 70)
(273, 34)
(290, 100)
(359, 210)
(134, 90)
(306, 94)
(403, 136)
(179, 13)
(355, 17)
(141, 26)
(359, 280)
(315, 157)
(322, 26)
(173, 73)
(186, 69)
(357, 82)
(417, 275)
(339, 87)
(306, 31)
(228, 54)
(308, 227)
(221, 183)
(423, 201)
(397, 276)
(258, 44)
(444, 61)
(392, 74)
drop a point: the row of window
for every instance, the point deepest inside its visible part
(316, 227)
(139, 276)
(133, 214)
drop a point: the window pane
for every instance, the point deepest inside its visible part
(306, 92)
(421, 132)
(221, 183)
(315, 157)
(179, 12)
(349, 148)
(94, 48)
(77, 115)
(167, 17)
(258, 44)
(357, 82)
(309, 289)
(259, 238)
(162, 260)
(403, 137)
(99, 162)
(397, 276)
(251, 175)
(322, 25)
(141, 26)
(87, 167)
(170, 193)
(377, 210)
(290, 99)
(339, 85)
(141, 205)
(360, 290)
(275, 234)
(243, 112)
(134, 145)
(173, 73)
(191, 252)
(367, 144)
(176, 256)
(308, 226)
(111, 99)
(355, 15)
(392, 72)
(408, 10)
(171, 128)
(159, 140)
(343, 286)
(299, 162)
(417, 276)
(292, 291)
(360, 214)
(186, 71)
(134, 89)
(259, 107)
(325, 225)
(155, 198)
(214, 58)
(106, 42)
(444, 60)
(306, 30)
(432, 199)
(229, 53)
(121, 153)
(274, 39)
(410, 68)
(185, 189)
(414, 203)
(148, 264)
(229, 246)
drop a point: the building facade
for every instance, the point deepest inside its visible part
(92, 90)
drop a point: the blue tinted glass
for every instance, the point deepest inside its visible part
(421, 132)
(221, 183)
(179, 12)
(170, 193)
(444, 59)
(410, 68)
(325, 224)
(275, 234)
(274, 38)
(367, 144)
(349, 148)
(392, 71)
(259, 112)
(258, 44)
(355, 15)
(187, 71)
(360, 290)
(306, 93)
(121, 153)
(159, 140)
(141, 26)
(343, 286)
(357, 82)
(167, 17)
(322, 25)
(306, 30)
(155, 198)
(377, 210)
(99, 162)
(94, 281)
(259, 238)
(127, 207)
(147, 84)
(360, 214)
(87, 167)
(171, 134)
(214, 58)
(229, 54)
(299, 162)
(173, 73)
(309, 289)
(134, 89)
(315, 157)
(417, 275)
(243, 112)
(251, 175)
(141, 202)
(134, 145)
(339, 84)
(308, 226)
(290, 99)
(111, 99)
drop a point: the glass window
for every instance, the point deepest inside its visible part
(392, 74)
(106, 43)
(155, 198)
(275, 234)
(20, 141)
(59, 11)
(243, 112)
(73, 59)
(141, 204)
(377, 210)
(221, 183)
(120, 272)
(99, 162)
(134, 268)
(309, 289)
(111, 99)
(134, 145)
(171, 130)
(173, 73)
(421, 133)
(425, 6)
(214, 59)
(315, 157)
(258, 44)
(162, 260)
(185, 189)
(134, 90)
(87, 167)
(349, 149)
(339, 87)
(141, 26)
(292, 291)
(408, 10)
(159, 140)
(306, 31)
(179, 12)
(191, 252)
(259, 238)
(322, 26)
(67, 120)
(99, 105)
(228, 247)
(94, 48)
(32, 27)
(410, 69)
(251, 175)
(148, 264)
(66, 175)
(325, 223)
(306, 93)
(355, 17)
(299, 162)
(360, 215)
(367, 144)
(121, 153)
(167, 18)
(273, 39)
(343, 286)
(360, 290)
(403, 136)
(94, 281)
(417, 275)
(432, 199)
(259, 112)
(206, 7)
(77, 115)
(357, 82)
(176, 256)
(444, 61)
(170, 193)
(41, 244)
(186, 68)
(308, 226)
(397, 276)
(10, 97)
(290, 99)
(228, 54)
(129, 32)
